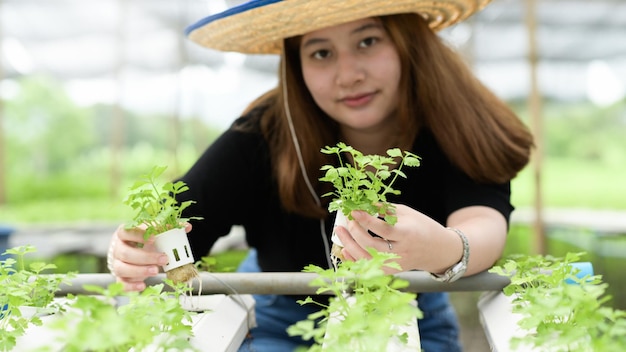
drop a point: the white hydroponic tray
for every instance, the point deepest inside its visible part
(221, 324)
(499, 321)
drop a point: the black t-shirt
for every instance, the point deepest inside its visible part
(232, 184)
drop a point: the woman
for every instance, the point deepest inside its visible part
(374, 75)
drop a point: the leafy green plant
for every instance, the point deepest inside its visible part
(366, 305)
(362, 184)
(560, 311)
(223, 262)
(155, 205)
(206, 263)
(22, 287)
(156, 208)
(153, 319)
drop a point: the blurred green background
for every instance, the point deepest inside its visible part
(62, 167)
(93, 94)
(60, 161)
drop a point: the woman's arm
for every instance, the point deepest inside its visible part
(485, 229)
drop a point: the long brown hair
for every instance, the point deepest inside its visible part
(477, 131)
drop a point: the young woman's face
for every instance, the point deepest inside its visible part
(353, 73)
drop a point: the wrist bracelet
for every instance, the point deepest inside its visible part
(457, 270)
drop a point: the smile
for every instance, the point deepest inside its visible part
(355, 101)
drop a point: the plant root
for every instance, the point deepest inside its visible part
(335, 255)
(335, 251)
(184, 273)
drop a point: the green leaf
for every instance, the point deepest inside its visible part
(394, 153)
(560, 316)
(96, 324)
(363, 185)
(155, 204)
(361, 289)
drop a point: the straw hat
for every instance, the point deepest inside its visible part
(259, 26)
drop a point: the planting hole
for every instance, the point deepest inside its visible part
(186, 251)
(175, 251)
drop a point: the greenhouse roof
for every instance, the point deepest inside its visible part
(581, 44)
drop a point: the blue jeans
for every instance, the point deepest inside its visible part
(439, 330)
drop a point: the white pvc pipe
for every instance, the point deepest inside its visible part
(293, 283)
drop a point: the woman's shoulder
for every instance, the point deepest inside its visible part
(244, 132)
(255, 116)
(250, 121)
(242, 141)
(240, 151)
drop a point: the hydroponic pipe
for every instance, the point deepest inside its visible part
(291, 283)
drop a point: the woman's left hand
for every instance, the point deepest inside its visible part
(412, 238)
(424, 244)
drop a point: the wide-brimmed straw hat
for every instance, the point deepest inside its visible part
(259, 26)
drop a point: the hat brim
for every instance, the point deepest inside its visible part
(259, 26)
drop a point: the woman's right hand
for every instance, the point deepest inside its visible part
(132, 259)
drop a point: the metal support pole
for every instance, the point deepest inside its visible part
(3, 166)
(535, 109)
(291, 283)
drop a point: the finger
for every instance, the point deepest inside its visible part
(148, 255)
(347, 256)
(134, 235)
(364, 238)
(372, 223)
(134, 273)
(130, 285)
(353, 247)
(389, 245)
